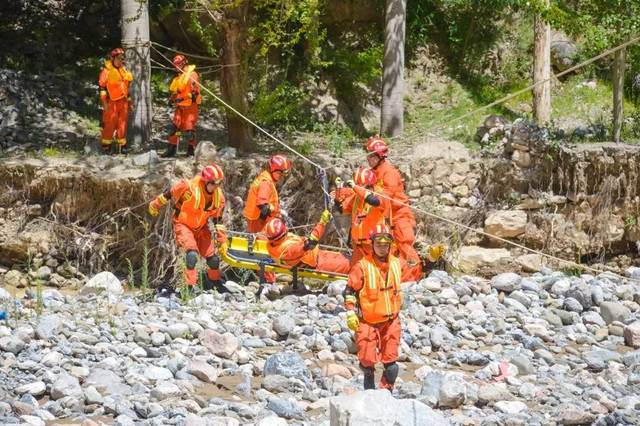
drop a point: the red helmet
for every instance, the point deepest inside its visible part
(381, 232)
(279, 163)
(179, 61)
(117, 52)
(212, 173)
(377, 145)
(275, 228)
(364, 177)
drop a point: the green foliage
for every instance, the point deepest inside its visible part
(356, 65)
(279, 106)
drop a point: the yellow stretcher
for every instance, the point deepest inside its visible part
(247, 252)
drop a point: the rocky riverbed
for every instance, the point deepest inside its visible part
(511, 350)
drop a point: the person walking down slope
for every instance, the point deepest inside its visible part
(113, 81)
(185, 96)
(373, 300)
(263, 203)
(196, 202)
(294, 250)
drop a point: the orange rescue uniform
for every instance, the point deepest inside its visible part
(185, 92)
(192, 210)
(379, 297)
(114, 94)
(290, 251)
(364, 218)
(402, 220)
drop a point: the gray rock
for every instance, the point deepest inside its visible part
(524, 364)
(493, 392)
(288, 364)
(379, 408)
(336, 288)
(452, 393)
(107, 382)
(33, 388)
(43, 273)
(283, 325)
(431, 388)
(563, 54)
(511, 407)
(148, 158)
(157, 338)
(572, 305)
(157, 373)
(612, 311)
(560, 287)
(223, 345)
(507, 282)
(285, 408)
(598, 359)
(12, 279)
(272, 421)
(92, 396)
(11, 344)
(440, 336)
(104, 281)
(48, 326)
(632, 335)
(64, 386)
(177, 330)
(203, 371)
(574, 416)
(164, 390)
(582, 293)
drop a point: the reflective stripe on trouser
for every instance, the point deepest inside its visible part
(198, 240)
(114, 121)
(378, 342)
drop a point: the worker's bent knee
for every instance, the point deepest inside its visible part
(213, 262)
(191, 259)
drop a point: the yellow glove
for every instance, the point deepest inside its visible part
(435, 252)
(153, 211)
(325, 217)
(338, 182)
(352, 321)
(351, 183)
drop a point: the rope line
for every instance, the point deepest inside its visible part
(193, 55)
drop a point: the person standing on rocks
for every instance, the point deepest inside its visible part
(114, 80)
(196, 201)
(374, 287)
(262, 203)
(367, 210)
(294, 250)
(401, 219)
(185, 96)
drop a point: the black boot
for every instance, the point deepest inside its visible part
(124, 150)
(170, 152)
(190, 151)
(369, 377)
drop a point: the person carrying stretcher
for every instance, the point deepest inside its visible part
(293, 250)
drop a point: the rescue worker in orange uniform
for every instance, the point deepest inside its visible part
(367, 210)
(402, 219)
(262, 203)
(196, 201)
(185, 95)
(294, 250)
(374, 289)
(114, 83)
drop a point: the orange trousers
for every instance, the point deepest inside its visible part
(114, 120)
(200, 241)
(255, 226)
(378, 342)
(404, 236)
(329, 261)
(184, 119)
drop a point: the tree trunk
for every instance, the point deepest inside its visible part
(135, 41)
(392, 114)
(542, 70)
(233, 76)
(618, 92)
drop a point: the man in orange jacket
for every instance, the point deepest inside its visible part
(195, 202)
(374, 287)
(262, 203)
(185, 95)
(401, 219)
(367, 210)
(294, 250)
(114, 83)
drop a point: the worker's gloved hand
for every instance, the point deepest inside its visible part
(221, 234)
(352, 321)
(325, 217)
(351, 183)
(435, 252)
(310, 243)
(153, 210)
(265, 211)
(339, 182)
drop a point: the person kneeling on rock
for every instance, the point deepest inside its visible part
(374, 287)
(195, 202)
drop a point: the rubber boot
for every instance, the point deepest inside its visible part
(191, 151)
(170, 152)
(369, 377)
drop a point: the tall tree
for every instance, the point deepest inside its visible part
(135, 40)
(392, 114)
(542, 68)
(619, 62)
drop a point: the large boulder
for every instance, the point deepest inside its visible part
(563, 54)
(472, 258)
(379, 408)
(612, 311)
(506, 223)
(508, 282)
(288, 364)
(103, 282)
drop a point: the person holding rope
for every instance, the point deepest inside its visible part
(294, 250)
(114, 80)
(262, 203)
(373, 288)
(185, 96)
(196, 202)
(367, 210)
